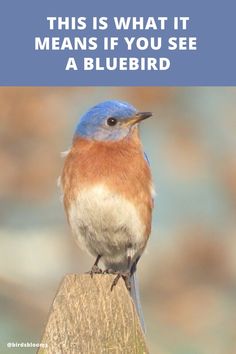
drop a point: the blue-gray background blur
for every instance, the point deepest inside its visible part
(188, 273)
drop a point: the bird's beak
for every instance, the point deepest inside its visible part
(137, 118)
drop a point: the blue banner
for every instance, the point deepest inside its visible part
(122, 43)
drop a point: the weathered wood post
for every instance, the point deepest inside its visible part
(87, 317)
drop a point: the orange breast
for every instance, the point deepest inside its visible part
(120, 165)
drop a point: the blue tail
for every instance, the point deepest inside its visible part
(134, 292)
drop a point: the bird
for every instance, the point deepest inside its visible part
(108, 190)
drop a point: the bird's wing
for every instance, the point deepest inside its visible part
(146, 158)
(152, 186)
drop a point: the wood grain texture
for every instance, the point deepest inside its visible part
(86, 317)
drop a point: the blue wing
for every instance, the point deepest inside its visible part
(146, 158)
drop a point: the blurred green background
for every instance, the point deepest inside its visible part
(188, 272)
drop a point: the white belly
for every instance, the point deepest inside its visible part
(107, 224)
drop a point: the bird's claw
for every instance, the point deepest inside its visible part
(109, 271)
(125, 276)
(95, 270)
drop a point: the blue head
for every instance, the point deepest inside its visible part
(109, 120)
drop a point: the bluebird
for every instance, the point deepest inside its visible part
(108, 190)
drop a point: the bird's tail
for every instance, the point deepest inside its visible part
(134, 292)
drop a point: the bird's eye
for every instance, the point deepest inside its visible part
(111, 121)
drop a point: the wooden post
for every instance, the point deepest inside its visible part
(87, 317)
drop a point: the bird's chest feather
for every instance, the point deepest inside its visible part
(107, 187)
(100, 217)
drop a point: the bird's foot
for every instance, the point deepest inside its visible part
(125, 276)
(109, 271)
(95, 270)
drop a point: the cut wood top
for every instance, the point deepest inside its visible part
(87, 317)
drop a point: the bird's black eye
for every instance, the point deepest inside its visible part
(111, 121)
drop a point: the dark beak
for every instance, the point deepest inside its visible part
(138, 117)
(143, 115)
